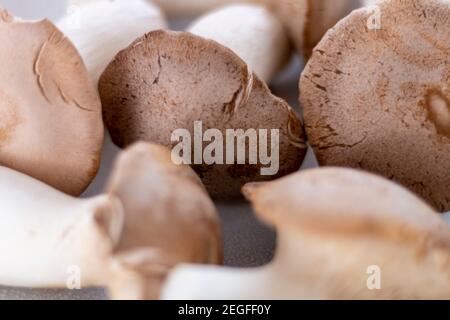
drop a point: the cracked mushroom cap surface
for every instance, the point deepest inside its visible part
(379, 98)
(334, 223)
(169, 217)
(51, 124)
(167, 81)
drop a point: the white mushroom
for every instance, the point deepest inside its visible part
(191, 7)
(342, 234)
(306, 20)
(252, 32)
(155, 216)
(44, 234)
(101, 28)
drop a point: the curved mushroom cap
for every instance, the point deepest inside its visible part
(51, 127)
(383, 102)
(167, 81)
(101, 28)
(340, 200)
(169, 218)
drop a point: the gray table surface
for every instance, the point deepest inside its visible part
(247, 242)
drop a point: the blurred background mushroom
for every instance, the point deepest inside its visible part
(335, 226)
(168, 81)
(155, 215)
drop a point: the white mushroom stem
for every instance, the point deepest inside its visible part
(191, 7)
(252, 32)
(306, 267)
(101, 28)
(46, 235)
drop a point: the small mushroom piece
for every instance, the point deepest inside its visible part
(51, 124)
(101, 28)
(169, 219)
(252, 32)
(155, 216)
(169, 81)
(306, 20)
(47, 237)
(336, 229)
(383, 103)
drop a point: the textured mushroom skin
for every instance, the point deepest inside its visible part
(379, 99)
(170, 219)
(168, 80)
(51, 126)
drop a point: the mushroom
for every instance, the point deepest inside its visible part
(101, 28)
(306, 20)
(156, 214)
(45, 234)
(167, 82)
(51, 124)
(252, 32)
(383, 103)
(342, 234)
(169, 219)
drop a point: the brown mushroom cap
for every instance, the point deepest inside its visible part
(346, 201)
(168, 80)
(51, 126)
(379, 99)
(169, 217)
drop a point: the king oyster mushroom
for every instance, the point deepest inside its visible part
(342, 234)
(155, 215)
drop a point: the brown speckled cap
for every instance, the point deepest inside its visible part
(51, 126)
(378, 99)
(168, 80)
